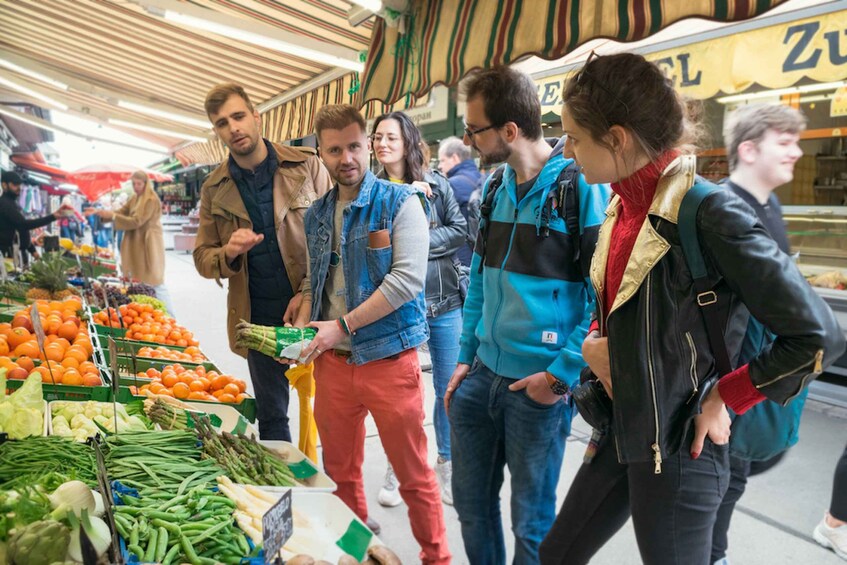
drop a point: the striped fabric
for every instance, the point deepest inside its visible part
(449, 38)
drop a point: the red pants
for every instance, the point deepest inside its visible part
(392, 391)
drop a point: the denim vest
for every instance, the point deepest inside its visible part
(374, 209)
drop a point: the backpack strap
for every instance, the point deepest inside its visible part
(485, 209)
(707, 299)
(568, 196)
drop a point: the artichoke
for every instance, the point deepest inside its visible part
(39, 543)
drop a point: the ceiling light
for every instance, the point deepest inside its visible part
(32, 74)
(163, 114)
(31, 93)
(372, 5)
(781, 92)
(264, 41)
(150, 129)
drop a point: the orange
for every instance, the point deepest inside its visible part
(186, 378)
(240, 398)
(232, 389)
(156, 387)
(204, 382)
(178, 368)
(196, 395)
(22, 320)
(227, 398)
(217, 393)
(55, 366)
(181, 390)
(54, 352)
(5, 329)
(26, 363)
(242, 386)
(167, 392)
(72, 377)
(70, 363)
(152, 373)
(88, 367)
(197, 385)
(92, 380)
(63, 342)
(18, 336)
(77, 353)
(28, 349)
(219, 382)
(169, 379)
(4, 347)
(18, 374)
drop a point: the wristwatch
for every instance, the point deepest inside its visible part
(557, 386)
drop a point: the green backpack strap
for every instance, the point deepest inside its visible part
(707, 299)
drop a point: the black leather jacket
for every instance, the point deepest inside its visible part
(660, 355)
(447, 233)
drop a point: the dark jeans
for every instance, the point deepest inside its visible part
(838, 506)
(739, 470)
(271, 390)
(673, 512)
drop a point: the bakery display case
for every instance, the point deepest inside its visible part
(818, 235)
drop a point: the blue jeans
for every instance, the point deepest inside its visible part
(271, 389)
(492, 427)
(444, 333)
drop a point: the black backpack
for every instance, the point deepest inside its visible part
(566, 195)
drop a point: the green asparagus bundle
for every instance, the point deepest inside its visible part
(270, 340)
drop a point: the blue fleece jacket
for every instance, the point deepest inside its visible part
(530, 308)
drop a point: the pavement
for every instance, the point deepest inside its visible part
(772, 524)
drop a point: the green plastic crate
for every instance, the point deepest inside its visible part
(247, 407)
(124, 346)
(68, 392)
(109, 331)
(8, 311)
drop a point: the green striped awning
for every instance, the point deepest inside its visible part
(446, 39)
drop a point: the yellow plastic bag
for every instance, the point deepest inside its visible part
(302, 378)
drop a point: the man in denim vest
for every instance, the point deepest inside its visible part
(368, 244)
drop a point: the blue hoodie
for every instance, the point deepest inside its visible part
(530, 308)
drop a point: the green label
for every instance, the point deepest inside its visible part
(214, 419)
(289, 336)
(355, 540)
(303, 469)
(241, 426)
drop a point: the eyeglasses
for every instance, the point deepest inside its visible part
(472, 132)
(583, 73)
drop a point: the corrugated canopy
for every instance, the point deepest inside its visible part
(108, 51)
(446, 39)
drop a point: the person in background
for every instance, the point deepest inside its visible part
(454, 160)
(143, 246)
(251, 232)
(13, 225)
(762, 148)
(527, 311)
(831, 532)
(398, 147)
(661, 454)
(367, 253)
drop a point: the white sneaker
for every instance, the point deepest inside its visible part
(444, 472)
(832, 538)
(389, 494)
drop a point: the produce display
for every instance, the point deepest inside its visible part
(48, 279)
(66, 358)
(22, 413)
(145, 323)
(194, 384)
(243, 459)
(187, 484)
(190, 354)
(836, 280)
(82, 420)
(273, 341)
(45, 461)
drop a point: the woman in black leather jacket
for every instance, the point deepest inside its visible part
(664, 457)
(398, 147)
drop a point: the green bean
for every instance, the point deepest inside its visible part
(150, 554)
(162, 547)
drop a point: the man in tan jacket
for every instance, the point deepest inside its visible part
(251, 232)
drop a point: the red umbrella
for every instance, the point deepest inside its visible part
(96, 180)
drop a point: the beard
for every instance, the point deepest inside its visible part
(498, 155)
(241, 152)
(350, 177)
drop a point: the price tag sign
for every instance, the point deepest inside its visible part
(277, 527)
(37, 328)
(113, 362)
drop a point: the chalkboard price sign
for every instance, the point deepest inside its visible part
(277, 527)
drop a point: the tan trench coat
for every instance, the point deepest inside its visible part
(143, 246)
(300, 180)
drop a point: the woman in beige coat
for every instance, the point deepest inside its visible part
(143, 246)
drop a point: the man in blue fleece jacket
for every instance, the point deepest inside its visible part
(526, 314)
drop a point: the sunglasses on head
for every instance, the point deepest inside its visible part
(583, 76)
